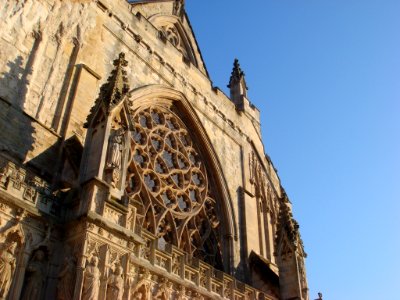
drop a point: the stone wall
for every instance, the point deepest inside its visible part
(54, 57)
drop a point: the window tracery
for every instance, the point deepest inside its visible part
(168, 183)
(171, 34)
(174, 33)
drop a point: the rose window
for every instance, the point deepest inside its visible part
(168, 183)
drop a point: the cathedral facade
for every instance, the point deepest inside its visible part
(124, 173)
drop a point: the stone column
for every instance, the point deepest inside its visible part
(80, 269)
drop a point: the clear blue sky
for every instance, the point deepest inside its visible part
(326, 76)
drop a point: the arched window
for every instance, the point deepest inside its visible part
(169, 184)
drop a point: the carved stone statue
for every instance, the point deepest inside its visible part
(7, 267)
(115, 149)
(91, 282)
(115, 284)
(181, 294)
(66, 277)
(11, 238)
(197, 296)
(35, 276)
(142, 290)
(114, 157)
(164, 290)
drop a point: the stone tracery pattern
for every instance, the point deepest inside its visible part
(167, 182)
(174, 35)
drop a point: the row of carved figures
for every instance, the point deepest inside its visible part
(13, 244)
(36, 271)
(142, 289)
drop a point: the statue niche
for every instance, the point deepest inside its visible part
(66, 279)
(164, 290)
(115, 284)
(13, 240)
(142, 289)
(116, 147)
(107, 124)
(35, 275)
(91, 281)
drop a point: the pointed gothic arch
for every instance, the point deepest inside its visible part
(175, 179)
(173, 30)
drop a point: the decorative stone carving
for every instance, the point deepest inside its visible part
(142, 289)
(197, 296)
(35, 276)
(91, 281)
(180, 193)
(131, 218)
(164, 290)
(115, 284)
(263, 189)
(112, 92)
(171, 34)
(168, 183)
(113, 215)
(227, 289)
(66, 279)
(175, 262)
(181, 294)
(114, 157)
(7, 267)
(24, 185)
(13, 240)
(4, 177)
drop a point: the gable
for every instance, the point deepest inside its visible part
(170, 18)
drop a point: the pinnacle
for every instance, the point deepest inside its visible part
(116, 86)
(237, 74)
(113, 91)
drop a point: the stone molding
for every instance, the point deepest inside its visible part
(24, 185)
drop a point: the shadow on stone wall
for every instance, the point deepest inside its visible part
(20, 132)
(16, 128)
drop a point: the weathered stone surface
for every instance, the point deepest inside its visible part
(163, 194)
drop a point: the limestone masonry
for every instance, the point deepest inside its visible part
(124, 174)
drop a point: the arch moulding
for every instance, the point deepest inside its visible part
(160, 95)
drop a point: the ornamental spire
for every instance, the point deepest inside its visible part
(114, 90)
